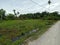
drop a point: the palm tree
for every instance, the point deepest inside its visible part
(18, 13)
(49, 2)
(14, 12)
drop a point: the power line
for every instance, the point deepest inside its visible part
(49, 2)
(42, 6)
(37, 3)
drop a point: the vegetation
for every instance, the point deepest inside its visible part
(14, 30)
(44, 15)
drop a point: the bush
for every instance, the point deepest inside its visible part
(10, 17)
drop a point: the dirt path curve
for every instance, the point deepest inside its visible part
(51, 37)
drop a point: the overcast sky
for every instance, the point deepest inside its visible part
(28, 6)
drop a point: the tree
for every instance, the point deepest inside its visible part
(10, 17)
(2, 14)
(49, 2)
(14, 12)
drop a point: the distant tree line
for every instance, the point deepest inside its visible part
(43, 15)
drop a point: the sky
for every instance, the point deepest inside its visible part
(29, 6)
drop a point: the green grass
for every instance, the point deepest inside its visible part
(13, 28)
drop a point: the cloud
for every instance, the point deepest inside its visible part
(37, 8)
(27, 6)
(51, 7)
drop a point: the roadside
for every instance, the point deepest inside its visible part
(51, 37)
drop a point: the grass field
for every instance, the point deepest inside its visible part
(11, 29)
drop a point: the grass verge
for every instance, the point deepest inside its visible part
(17, 28)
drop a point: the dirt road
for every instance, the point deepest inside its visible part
(51, 37)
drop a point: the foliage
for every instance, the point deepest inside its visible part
(11, 29)
(43, 15)
(2, 14)
(10, 17)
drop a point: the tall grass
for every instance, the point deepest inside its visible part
(13, 28)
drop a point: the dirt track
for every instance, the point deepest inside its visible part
(51, 37)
